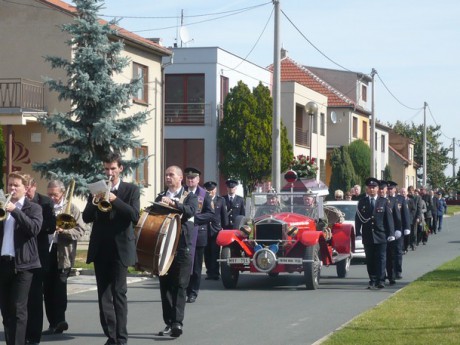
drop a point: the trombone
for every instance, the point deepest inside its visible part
(3, 212)
(65, 220)
(103, 204)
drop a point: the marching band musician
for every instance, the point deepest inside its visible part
(374, 223)
(61, 259)
(173, 285)
(19, 257)
(112, 247)
(35, 302)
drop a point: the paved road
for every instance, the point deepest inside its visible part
(262, 310)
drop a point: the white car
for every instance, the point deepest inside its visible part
(348, 208)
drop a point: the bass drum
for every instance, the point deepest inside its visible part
(157, 237)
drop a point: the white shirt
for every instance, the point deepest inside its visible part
(8, 231)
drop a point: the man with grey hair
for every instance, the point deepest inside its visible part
(63, 249)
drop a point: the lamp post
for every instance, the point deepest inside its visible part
(312, 110)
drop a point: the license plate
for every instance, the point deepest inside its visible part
(244, 261)
(290, 261)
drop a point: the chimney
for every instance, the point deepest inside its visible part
(283, 53)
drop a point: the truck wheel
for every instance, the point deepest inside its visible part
(228, 274)
(343, 267)
(312, 269)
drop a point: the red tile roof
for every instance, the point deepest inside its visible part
(63, 6)
(292, 71)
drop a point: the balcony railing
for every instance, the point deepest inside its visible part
(302, 137)
(180, 114)
(21, 93)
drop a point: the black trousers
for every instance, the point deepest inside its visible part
(55, 290)
(112, 287)
(173, 288)
(35, 307)
(376, 262)
(14, 293)
(211, 255)
(195, 278)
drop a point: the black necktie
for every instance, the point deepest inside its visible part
(372, 204)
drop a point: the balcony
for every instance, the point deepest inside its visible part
(23, 94)
(302, 137)
(188, 114)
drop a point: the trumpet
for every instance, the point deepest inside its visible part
(3, 212)
(65, 220)
(103, 204)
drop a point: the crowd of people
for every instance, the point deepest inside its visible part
(391, 221)
(38, 241)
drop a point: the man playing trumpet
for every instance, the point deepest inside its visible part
(112, 248)
(63, 249)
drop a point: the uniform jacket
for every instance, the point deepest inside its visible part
(28, 224)
(187, 208)
(405, 213)
(67, 240)
(217, 219)
(234, 209)
(374, 226)
(395, 206)
(48, 227)
(205, 208)
(116, 225)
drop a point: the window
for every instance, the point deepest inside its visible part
(383, 143)
(186, 153)
(301, 134)
(141, 72)
(364, 92)
(184, 98)
(141, 173)
(375, 142)
(355, 127)
(411, 153)
(364, 130)
(315, 124)
(322, 123)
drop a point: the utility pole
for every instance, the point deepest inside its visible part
(424, 144)
(276, 130)
(453, 158)
(372, 138)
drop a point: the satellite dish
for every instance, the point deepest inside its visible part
(184, 35)
(333, 117)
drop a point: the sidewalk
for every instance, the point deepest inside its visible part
(87, 282)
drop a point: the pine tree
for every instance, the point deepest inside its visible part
(360, 155)
(343, 174)
(95, 125)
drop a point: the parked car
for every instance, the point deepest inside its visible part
(285, 232)
(348, 208)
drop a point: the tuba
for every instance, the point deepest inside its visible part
(3, 212)
(65, 220)
(103, 204)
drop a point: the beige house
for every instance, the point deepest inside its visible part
(30, 30)
(401, 160)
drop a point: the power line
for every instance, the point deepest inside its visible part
(396, 98)
(432, 117)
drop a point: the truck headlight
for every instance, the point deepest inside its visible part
(264, 260)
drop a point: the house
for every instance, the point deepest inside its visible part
(196, 83)
(344, 118)
(401, 160)
(30, 30)
(381, 150)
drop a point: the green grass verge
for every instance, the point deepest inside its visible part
(451, 209)
(425, 312)
(80, 262)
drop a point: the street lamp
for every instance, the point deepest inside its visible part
(312, 110)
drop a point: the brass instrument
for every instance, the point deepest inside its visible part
(103, 204)
(3, 212)
(65, 220)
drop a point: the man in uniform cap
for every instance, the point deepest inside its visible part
(212, 250)
(235, 204)
(200, 238)
(374, 223)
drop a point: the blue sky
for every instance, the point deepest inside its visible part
(413, 45)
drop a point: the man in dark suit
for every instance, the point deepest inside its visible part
(112, 248)
(434, 212)
(406, 221)
(19, 228)
(389, 191)
(235, 204)
(220, 217)
(35, 303)
(173, 285)
(374, 222)
(192, 180)
(416, 215)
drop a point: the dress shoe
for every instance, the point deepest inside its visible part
(166, 331)
(61, 327)
(49, 331)
(380, 286)
(176, 330)
(191, 299)
(392, 282)
(398, 276)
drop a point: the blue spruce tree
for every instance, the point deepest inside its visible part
(96, 124)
